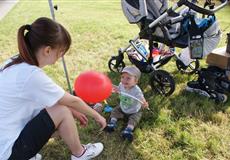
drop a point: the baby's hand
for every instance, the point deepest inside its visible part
(115, 89)
(145, 104)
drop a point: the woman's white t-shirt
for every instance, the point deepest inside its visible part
(24, 91)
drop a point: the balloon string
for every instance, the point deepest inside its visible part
(131, 96)
(105, 101)
(126, 94)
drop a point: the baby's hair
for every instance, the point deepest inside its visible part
(42, 32)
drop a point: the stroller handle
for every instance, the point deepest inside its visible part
(191, 6)
(200, 9)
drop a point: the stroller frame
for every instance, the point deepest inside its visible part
(160, 80)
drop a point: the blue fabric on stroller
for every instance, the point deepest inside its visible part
(173, 30)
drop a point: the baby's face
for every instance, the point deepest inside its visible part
(128, 80)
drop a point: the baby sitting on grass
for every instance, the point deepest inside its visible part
(131, 102)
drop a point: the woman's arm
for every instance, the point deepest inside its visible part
(79, 105)
(80, 117)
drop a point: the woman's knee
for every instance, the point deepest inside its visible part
(61, 110)
(58, 113)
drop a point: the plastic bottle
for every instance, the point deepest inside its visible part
(143, 49)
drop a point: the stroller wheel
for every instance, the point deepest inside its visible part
(162, 82)
(219, 97)
(114, 67)
(190, 69)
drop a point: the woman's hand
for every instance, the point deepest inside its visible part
(80, 117)
(78, 105)
(101, 121)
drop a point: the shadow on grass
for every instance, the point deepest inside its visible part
(168, 122)
(187, 104)
(55, 149)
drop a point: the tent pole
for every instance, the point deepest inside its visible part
(63, 60)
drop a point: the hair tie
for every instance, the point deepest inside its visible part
(28, 27)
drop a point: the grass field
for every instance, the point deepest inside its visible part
(182, 126)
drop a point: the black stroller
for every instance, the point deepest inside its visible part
(160, 24)
(212, 82)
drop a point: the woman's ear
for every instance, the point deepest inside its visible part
(47, 50)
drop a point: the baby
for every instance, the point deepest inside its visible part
(131, 102)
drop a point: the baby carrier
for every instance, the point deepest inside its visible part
(162, 25)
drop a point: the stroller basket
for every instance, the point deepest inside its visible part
(142, 66)
(138, 55)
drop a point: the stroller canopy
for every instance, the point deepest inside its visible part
(135, 10)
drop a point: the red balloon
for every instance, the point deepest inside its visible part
(92, 86)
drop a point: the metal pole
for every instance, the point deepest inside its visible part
(63, 60)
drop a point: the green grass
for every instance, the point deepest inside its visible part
(182, 126)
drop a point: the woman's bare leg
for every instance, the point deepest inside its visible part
(65, 124)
